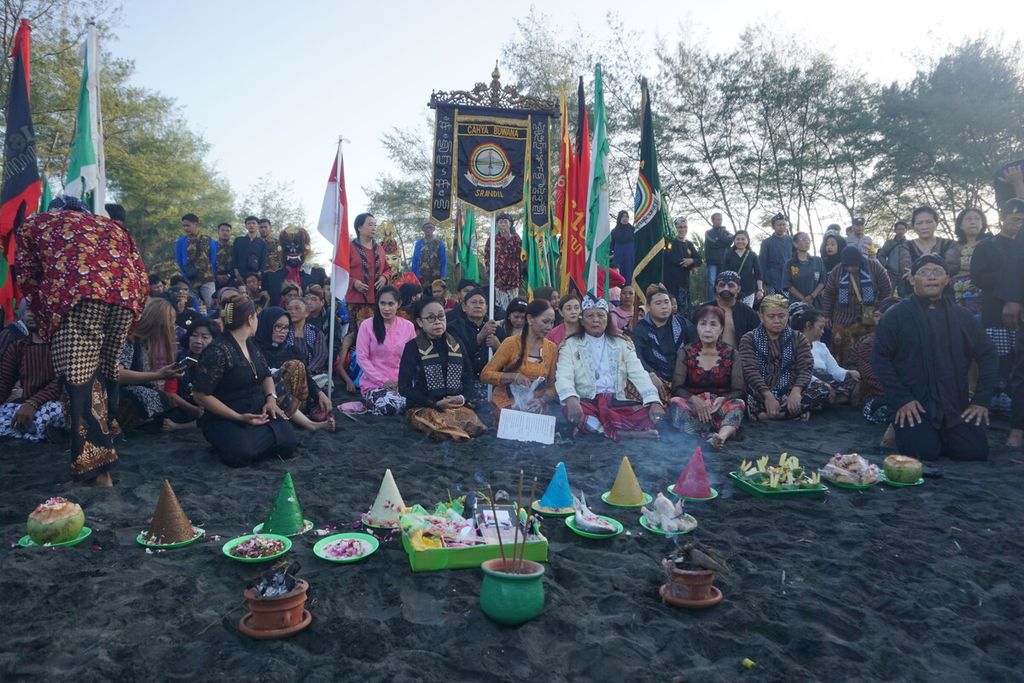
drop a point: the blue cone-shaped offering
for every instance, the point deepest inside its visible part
(557, 498)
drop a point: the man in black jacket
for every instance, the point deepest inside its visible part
(739, 317)
(923, 351)
(681, 258)
(295, 249)
(658, 336)
(717, 241)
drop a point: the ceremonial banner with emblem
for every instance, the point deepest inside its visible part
(650, 214)
(492, 158)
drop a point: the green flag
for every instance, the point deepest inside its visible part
(535, 251)
(650, 213)
(87, 174)
(598, 230)
(44, 204)
(467, 246)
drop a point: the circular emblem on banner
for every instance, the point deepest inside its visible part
(489, 165)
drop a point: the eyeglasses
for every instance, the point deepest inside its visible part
(440, 317)
(930, 272)
(280, 328)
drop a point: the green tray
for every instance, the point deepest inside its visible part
(141, 540)
(753, 490)
(319, 551)
(648, 499)
(434, 559)
(714, 494)
(656, 530)
(306, 526)
(255, 560)
(882, 479)
(571, 523)
(27, 542)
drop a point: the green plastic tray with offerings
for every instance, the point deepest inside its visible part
(436, 559)
(782, 494)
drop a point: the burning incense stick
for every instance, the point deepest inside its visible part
(519, 502)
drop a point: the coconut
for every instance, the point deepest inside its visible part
(55, 521)
(902, 469)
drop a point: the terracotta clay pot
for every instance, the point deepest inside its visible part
(690, 588)
(512, 598)
(276, 617)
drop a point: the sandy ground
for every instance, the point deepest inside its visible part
(889, 584)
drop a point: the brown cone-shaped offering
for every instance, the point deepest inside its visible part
(170, 523)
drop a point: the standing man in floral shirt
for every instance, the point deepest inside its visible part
(507, 258)
(197, 258)
(86, 285)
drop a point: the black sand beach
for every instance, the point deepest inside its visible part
(913, 584)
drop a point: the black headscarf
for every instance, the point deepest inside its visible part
(276, 354)
(831, 261)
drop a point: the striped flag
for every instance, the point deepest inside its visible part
(598, 231)
(19, 197)
(87, 166)
(333, 225)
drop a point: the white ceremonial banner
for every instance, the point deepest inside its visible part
(516, 425)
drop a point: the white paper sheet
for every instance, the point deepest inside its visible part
(519, 426)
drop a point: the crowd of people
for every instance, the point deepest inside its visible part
(919, 334)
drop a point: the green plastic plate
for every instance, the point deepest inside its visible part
(320, 548)
(141, 540)
(852, 487)
(27, 542)
(714, 494)
(306, 526)
(254, 560)
(882, 479)
(571, 523)
(648, 498)
(655, 530)
(788, 494)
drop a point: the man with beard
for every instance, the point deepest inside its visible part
(27, 362)
(739, 317)
(295, 247)
(86, 285)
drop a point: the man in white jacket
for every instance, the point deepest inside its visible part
(593, 377)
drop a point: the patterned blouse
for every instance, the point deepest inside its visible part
(507, 261)
(65, 257)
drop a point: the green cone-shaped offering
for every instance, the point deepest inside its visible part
(285, 516)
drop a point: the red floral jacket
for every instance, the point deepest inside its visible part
(65, 257)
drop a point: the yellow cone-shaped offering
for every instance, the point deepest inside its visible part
(626, 489)
(388, 506)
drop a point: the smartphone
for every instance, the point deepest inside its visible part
(185, 363)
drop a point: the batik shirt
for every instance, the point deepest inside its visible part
(65, 257)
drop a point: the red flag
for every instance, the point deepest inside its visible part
(21, 185)
(579, 184)
(333, 225)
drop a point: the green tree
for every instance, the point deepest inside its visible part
(275, 200)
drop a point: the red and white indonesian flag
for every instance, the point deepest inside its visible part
(333, 225)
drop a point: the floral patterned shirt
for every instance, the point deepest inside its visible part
(65, 257)
(507, 260)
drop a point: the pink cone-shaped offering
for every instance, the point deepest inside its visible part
(693, 480)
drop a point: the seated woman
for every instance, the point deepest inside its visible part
(289, 291)
(708, 382)
(435, 376)
(27, 362)
(777, 367)
(408, 294)
(477, 334)
(622, 313)
(379, 346)
(523, 358)
(148, 376)
(306, 337)
(591, 378)
(569, 307)
(297, 393)
(843, 385)
(439, 288)
(203, 332)
(515, 319)
(658, 337)
(254, 290)
(241, 418)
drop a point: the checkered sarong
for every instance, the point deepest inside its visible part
(1003, 339)
(89, 339)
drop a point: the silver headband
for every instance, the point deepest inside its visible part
(590, 302)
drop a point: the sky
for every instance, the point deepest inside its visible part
(271, 86)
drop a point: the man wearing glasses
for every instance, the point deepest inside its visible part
(923, 351)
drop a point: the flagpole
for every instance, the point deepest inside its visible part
(494, 238)
(100, 194)
(334, 276)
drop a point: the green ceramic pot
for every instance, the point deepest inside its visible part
(512, 599)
